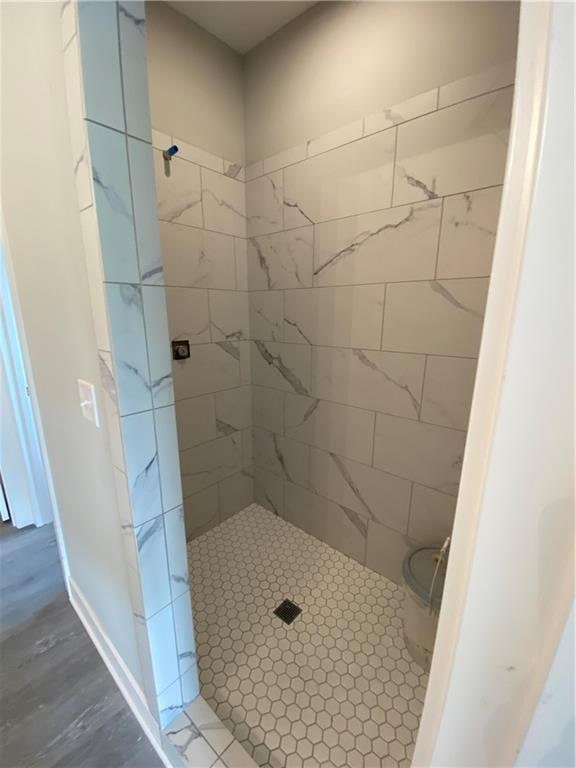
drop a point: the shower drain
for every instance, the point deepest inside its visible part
(287, 611)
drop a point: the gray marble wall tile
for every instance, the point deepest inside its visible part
(78, 136)
(110, 402)
(437, 317)
(381, 381)
(384, 246)
(224, 204)
(170, 703)
(376, 495)
(495, 77)
(284, 457)
(163, 649)
(229, 315)
(201, 511)
(236, 492)
(247, 448)
(456, 149)
(349, 316)
(427, 454)
(264, 204)
(188, 314)
(145, 216)
(268, 409)
(269, 490)
(209, 368)
(132, 27)
(196, 258)
(386, 550)
(142, 466)
(179, 193)
(245, 350)
(98, 28)
(468, 233)
(352, 179)
(234, 170)
(401, 112)
(233, 410)
(184, 631)
(208, 463)
(341, 528)
(113, 204)
(126, 315)
(281, 366)
(241, 259)
(93, 259)
(281, 260)
(336, 138)
(448, 387)
(153, 565)
(176, 548)
(266, 315)
(431, 515)
(159, 359)
(167, 441)
(337, 428)
(196, 421)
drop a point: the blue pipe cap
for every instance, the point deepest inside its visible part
(170, 152)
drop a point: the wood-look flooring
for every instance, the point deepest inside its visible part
(59, 706)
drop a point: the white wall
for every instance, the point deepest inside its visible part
(44, 243)
(340, 61)
(195, 84)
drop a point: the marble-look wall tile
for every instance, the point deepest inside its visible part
(264, 204)
(229, 315)
(386, 550)
(269, 490)
(468, 233)
(162, 640)
(190, 686)
(170, 703)
(67, 22)
(177, 557)
(223, 203)
(145, 216)
(352, 179)
(401, 112)
(281, 260)
(373, 494)
(348, 316)
(160, 140)
(156, 321)
(266, 315)
(254, 170)
(126, 315)
(196, 258)
(142, 466)
(381, 381)
(236, 492)
(169, 466)
(337, 428)
(233, 410)
(210, 725)
(199, 156)
(448, 388)
(282, 159)
(179, 193)
(284, 457)
(201, 511)
(93, 259)
(245, 350)
(196, 421)
(78, 136)
(336, 138)
(234, 170)
(281, 366)
(110, 399)
(241, 260)
(132, 28)
(268, 409)
(209, 368)
(341, 528)
(208, 463)
(188, 314)
(113, 204)
(101, 63)
(427, 454)
(459, 148)
(437, 317)
(384, 246)
(184, 627)
(431, 515)
(495, 77)
(153, 565)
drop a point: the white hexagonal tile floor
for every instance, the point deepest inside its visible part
(337, 687)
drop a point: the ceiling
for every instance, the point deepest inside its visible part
(241, 25)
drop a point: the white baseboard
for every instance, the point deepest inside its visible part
(122, 676)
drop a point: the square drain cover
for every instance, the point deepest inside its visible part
(287, 611)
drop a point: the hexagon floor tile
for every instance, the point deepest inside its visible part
(335, 688)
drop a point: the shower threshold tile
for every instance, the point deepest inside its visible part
(335, 687)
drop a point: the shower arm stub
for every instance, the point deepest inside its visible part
(169, 153)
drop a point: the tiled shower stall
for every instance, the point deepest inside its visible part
(332, 296)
